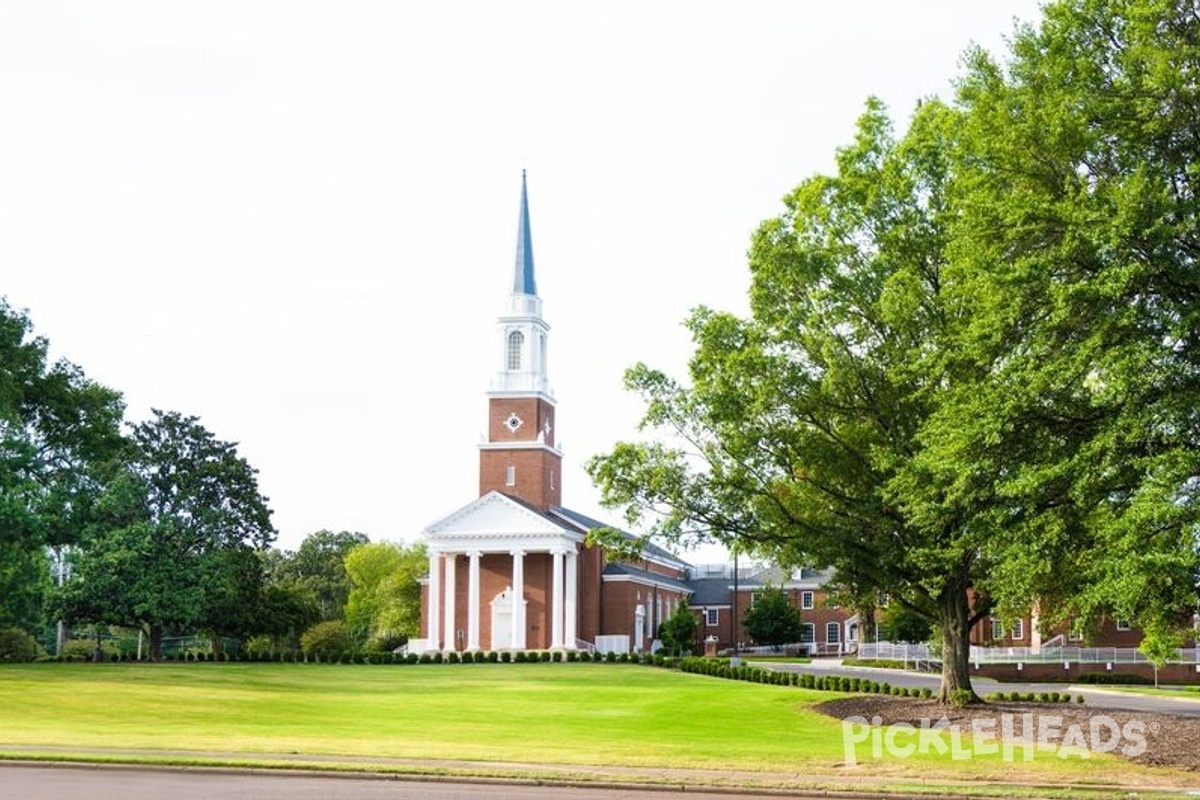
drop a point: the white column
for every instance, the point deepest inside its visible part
(518, 608)
(556, 603)
(473, 602)
(451, 567)
(571, 634)
(435, 600)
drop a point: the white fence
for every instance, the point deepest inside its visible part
(1074, 655)
(890, 651)
(894, 651)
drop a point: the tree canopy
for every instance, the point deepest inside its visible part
(969, 377)
(170, 547)
(773, 620)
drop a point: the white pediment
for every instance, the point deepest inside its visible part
(497, 522)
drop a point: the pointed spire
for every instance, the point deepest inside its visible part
(523, 281)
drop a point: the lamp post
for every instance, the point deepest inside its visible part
(736, 661)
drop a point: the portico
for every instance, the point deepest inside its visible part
(521, 573)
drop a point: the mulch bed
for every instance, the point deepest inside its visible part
(1171, 740)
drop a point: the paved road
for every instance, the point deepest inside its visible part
(98, 783)
(1096, 697)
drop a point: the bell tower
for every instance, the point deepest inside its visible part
(519, 457)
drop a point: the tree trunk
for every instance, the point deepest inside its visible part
(954, 618)
(156, 638)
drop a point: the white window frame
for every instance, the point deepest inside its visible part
(807, 600)
(1018, 628)
(808, 633)
(997, 628)
(836, 629)
(1123, 625)
(510, 475)
(516, 343)
(712, 617)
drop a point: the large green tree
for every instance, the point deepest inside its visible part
(384, 605)
(59, 431)
(167, 549)
(970, 375)
(1075, 249)
(798, 421)
(319, 567)
(773, 620)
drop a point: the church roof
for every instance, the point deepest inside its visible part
(523, 279)
(711, 591)
(646, 576)
(649, 549)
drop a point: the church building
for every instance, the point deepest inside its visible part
(511, 570)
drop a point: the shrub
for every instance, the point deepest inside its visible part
(84, 650)
(1079, 699)
(960, 698)
(504, 657)
(544, 655)
(326, 640)
(610, 657)
(17, 646)
(453, 657)
(926, 693)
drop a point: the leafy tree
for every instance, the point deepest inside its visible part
(384, 606)
(799, 421)
(164, 551)
(773, 620)
(901, 624)
(1159, 645)
(678, 631)
(58, 431)
(971, 368)
(319, 565)
(1077, 242)
(285, 610)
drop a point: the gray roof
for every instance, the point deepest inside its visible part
(711, 591)
(647, 576)
(649, 549)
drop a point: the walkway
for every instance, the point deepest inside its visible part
(1095, 696)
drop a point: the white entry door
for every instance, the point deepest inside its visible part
(502, 620)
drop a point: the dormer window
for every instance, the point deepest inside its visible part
(516, 341)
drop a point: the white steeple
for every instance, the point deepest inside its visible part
(522, 330)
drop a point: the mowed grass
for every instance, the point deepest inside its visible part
(550, 713)
(583, 714)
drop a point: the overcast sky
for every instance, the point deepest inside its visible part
(297, 221)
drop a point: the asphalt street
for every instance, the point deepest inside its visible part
(63, 782)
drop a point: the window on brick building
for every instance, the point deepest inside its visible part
(1018, 630)
(711, 617)
(997, 628)
(833, 633)
(1123, 625)
(806, 600)
(808, 633)
(510, 475)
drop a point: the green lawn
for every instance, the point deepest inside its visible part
(574, 714)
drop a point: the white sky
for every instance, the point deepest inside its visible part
(297, 221)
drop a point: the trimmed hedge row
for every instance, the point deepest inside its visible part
(721, 668)
(1034, 697)
(477, 657)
